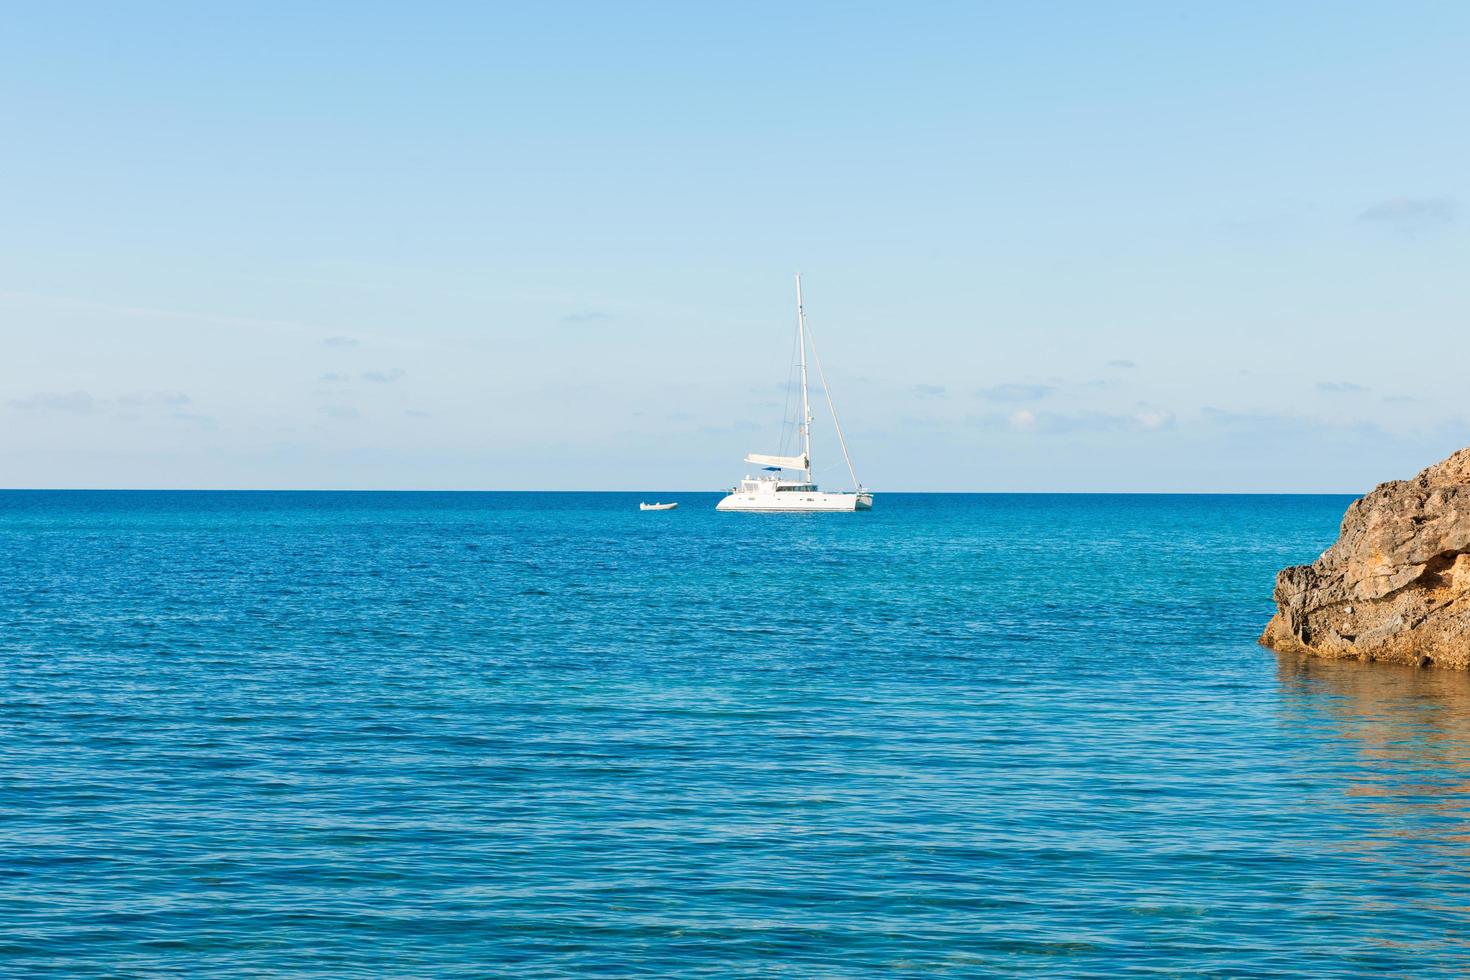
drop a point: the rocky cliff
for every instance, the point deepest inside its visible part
(1396, 585)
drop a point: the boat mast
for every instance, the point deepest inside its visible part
(806, 411)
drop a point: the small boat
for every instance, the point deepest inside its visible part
(775, 491)
(657, 506)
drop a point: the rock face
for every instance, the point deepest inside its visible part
(1396, 585)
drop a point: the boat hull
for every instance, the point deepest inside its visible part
(801, 502)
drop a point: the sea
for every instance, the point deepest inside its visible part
(331, 735)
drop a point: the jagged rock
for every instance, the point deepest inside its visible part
(1396, 585)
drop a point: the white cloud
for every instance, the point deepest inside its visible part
(1022, 419)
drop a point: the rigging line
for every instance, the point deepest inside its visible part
(787, 426)
(827, 390)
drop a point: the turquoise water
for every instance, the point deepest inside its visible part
(362, 735)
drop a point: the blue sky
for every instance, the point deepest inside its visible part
(1045, 246)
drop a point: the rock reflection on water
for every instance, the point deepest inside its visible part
(1385, 749)
(1398, 716)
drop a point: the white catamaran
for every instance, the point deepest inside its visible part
(774, 491)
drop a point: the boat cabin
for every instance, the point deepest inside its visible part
(773, 484)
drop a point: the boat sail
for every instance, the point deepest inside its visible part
(774, 491)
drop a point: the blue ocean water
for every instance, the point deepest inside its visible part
(417, 734)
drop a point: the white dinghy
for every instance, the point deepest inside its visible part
(777, 492)
(656, 506)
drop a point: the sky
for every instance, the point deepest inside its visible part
(1044, 246)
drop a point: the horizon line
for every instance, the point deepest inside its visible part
(914, 493)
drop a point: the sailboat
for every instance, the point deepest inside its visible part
(775, 490)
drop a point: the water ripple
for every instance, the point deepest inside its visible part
(360, 735)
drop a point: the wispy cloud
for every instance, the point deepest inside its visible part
(417, 413)
(72, 402)
(334, 376)
(586, 318)
(928, 391)
(1408, 214)
(1121, 363)
(341, 341)
(1152, 420)
(729, 429)
(1266, 426)
(1339, 387)
(383, 377)
(343, 412)
(780, 387)
(153, 399)
(1015, 392)
(129, 406)
(1029, 420)
(154, 313)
